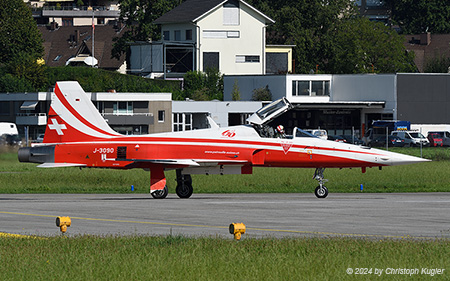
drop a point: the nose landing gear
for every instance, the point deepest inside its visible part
(321, 191)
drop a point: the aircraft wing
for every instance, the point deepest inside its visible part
(184, 162)
(58, 165)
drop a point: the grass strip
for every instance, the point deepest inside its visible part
(208, 258)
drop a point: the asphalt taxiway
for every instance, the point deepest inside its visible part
(400, 215)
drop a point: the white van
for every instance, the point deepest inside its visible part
(412, 138)
(8, 129)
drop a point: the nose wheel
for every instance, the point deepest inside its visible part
(321, 190)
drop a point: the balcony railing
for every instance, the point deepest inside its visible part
(31, 118)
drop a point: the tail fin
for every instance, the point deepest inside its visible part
(73, 117)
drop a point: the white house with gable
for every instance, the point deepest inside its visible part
(227, 35)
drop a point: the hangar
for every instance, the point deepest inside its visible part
(346, 104)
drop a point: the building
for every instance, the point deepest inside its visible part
(199, 34)
(127, 113)
(69, 13)
(343, 104)
(192, 115)
(374, 10)
(426, 47)
(73, 45)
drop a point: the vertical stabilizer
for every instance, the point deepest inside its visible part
(73, 117)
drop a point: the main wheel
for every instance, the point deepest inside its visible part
(160, 194)
(321, 192)
(184, 189)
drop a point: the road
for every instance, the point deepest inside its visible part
(420, 215)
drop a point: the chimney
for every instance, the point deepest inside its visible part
(77, 36)
(425, 38)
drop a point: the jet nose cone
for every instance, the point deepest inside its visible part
(401, 159)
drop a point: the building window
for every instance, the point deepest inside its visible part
(310, 88)
(243, 59)
(231, 13)
(166, 35)
(187, 121)
(123, 108)
(67, 21)
(189, 34)
(161, 115)
(177, 35)
(221, 34)
(182, 122)
(4, 108)
(100, 21)
(210, 60)
(177, 122)
(100, 107)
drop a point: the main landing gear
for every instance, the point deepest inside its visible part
(160, 194)
(184, 185)
(321, 190)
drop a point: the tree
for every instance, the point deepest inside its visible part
(25, 66)
(18, 32)
(438, 65)
(203, 86)
(361, 46)
(262, 94)
(419, 16)
(139, 15)
(305, 24)
(235, 93)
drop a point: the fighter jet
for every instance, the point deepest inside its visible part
(77, 135)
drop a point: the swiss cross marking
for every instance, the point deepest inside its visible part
(57, 127)
(286, 146)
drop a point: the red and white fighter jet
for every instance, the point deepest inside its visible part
(77, 135)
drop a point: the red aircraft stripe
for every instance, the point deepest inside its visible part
(76, 114)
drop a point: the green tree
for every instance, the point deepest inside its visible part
(235, 93)
(305, 24)
(18, 31)
(139, 15)
(262, 94)
(418, 16)
(25, 66)
(361, 46)
(203, 86)
(438, 65)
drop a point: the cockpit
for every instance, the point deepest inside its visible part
(261, 121)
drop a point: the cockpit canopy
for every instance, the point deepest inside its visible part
(269, 112)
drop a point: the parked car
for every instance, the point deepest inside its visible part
(393, 141)
(12, 140)
(352, 139)
(435, 139)
(336, 138)
(40, 138)
(444, 135)
(318, 133)
(412, 138)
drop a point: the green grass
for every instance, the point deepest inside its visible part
(181, 258)
(18, 177)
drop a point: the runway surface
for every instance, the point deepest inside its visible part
(419, 215)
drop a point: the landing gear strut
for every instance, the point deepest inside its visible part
(321, 190)
(184, 185)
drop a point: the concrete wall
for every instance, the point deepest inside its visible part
(246, 84)
(424, 98)
(366, 87)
